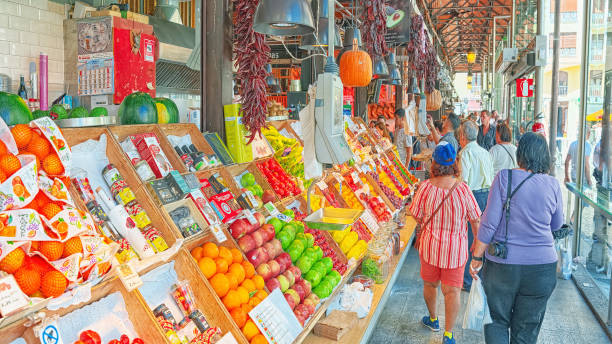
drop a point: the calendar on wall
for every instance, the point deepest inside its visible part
(95, 61)
(96, 76)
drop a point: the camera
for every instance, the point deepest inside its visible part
(498, 249)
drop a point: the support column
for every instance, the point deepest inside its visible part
(218, 81)
(539, 73)
(552, 144)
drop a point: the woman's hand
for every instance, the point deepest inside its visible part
(475, 267)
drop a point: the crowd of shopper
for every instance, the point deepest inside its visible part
(488, 205)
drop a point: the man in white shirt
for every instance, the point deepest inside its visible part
(477, 172)
(572, 159)
(503, 154)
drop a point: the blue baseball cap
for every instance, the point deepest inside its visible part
(444, 154)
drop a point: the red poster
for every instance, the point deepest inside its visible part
(524, 87)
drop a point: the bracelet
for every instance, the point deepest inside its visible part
(478, 259)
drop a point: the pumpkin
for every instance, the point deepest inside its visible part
(355, 67)
(434, 100)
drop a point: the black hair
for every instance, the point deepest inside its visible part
(455, 120)
(504, 131)
(438, 124)
(400, 113)
(532, 153)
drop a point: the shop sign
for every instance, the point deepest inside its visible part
(524, 87)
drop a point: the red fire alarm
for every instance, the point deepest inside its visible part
(524, 87)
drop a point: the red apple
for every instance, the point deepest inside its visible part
(295, 295)
(313, 298)
(300, 317)
(278, 246)
(268, 196)
(300, 290)
(282, 264)
(257, 256)
(260, 218)
(311, 308)
(284, 283)
(275, 267)
(264, 271)
(239, 228)
(268, 231)
(296, 272)
(286, 258)
(306, 285)
(272, 284)
(246, 243)
(269, 247)
(290, 301)
(310, 302)
(290, 277)
(303, 309)
(258, 237)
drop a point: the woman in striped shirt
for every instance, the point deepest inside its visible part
(443, 205)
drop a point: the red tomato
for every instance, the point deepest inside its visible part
(137, 341)
(90, 337)
(124, 339)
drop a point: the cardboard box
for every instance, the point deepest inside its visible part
(150, 150)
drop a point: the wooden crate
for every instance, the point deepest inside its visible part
(260, 179)
(121, 132)
(182, 129)
(116, 157)
(195, 213)
(226, 175)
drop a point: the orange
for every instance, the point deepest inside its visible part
(39, 147)
(49, 210)
(10, 164)
(259, 339)
(246, 307)
(220, 284)
(53, 284)
(210, 250)
(250, 330)
(3, 149)
(238, 271)
(28, 280)
(2, 175)
(51, 249)
(254, 301)
(232, 280)
(231, 300)
(236, 255)
(72, 246)
(22, 134)
(221, 265)
(249, 285)
(262, 294)
(207, 266)
(34, 245)
(39, 264)
(226, 254)
(196, 253)
(13, 260)
(259, 282)
(249, 269)
(52, 165)
(244, 295)
(240, 316)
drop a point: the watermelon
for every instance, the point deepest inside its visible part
(167, 112)
(79, 112)
(98, 112)
(58, 112)
(13, 109)
(138, 108)
(40, 113)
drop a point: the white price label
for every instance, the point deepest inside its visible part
(271, 208)
(338, 178)
(252, 199)
(129, 277)
(218, 233)
(321, 184)
(368, 219)
(11, 296)
(249, 216)
(355, 177)
(283, 217)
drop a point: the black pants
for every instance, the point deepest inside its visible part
(517, 297)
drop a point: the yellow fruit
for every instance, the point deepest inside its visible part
(348, 241)
(250, 330)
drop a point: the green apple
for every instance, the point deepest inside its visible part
(320, 267)
(304, 263)
(309, 239)
(314, 277)
(326, 287)
(299, 226)
(289, 213)
(299, 245)
(302, 238)
(329, 264)
(278, 224)
(257, 190)
(247, 179)
(334, 277)
(311, 253)
(290, 229)
(285, 239)
(319, 252)
(295, 253)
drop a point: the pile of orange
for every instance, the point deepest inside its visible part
(234, 280)
(33, 274)
(30, 141)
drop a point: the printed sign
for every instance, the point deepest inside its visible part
(524, 87)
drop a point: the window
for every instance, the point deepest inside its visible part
(567, 41)
(597, 47)
(562, 83)
(595, 86)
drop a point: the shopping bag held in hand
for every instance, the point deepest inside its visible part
(477, 311)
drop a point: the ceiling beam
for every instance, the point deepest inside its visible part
(466, 7)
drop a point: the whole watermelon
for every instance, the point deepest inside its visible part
(58, 111)
(79, 112)
(138, 108)
(13, 109)
(40, 113)
(167, 112)
(98, 112)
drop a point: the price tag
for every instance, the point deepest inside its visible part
(251, 198)
(11, 296)
(321, 184)
(49, 334)
(338, 178)
(271, 208)
(283, 217)
(218, 233)
(129, 277)
(355, 177)
(249, 216)
(368, 219)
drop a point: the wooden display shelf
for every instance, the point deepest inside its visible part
(363, 330)
(182, 129)
(236, 170)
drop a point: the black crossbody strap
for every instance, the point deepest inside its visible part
(507, 151)
(509, 195)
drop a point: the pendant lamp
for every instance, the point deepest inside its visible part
(471, 56)
(415, 86)
(283, 18)
(351, 34)
(469, 76)
(380, 69)
(395, 77)
(319, 38)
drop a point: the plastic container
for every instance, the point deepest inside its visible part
(375, 264)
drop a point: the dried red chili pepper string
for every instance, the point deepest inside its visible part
(422, 55)
(252, 55)
(374, 28)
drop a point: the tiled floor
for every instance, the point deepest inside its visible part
(568, 318)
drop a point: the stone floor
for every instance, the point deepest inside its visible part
(568, 318)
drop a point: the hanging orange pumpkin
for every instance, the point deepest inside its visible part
(434, 100)
(355, 67)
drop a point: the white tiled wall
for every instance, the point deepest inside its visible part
(27, 28)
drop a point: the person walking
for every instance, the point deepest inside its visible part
(503, 154)
(477, 172)
(450, 124)
(443, 205)
(516, 238)
(486, 132)
(403, 142)
(571, 160)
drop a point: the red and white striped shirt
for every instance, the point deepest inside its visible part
(444, 241)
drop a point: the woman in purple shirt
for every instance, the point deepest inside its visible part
(520, 270)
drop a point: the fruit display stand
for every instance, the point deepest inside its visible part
(182, 129)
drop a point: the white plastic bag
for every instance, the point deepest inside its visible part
(476, 311)
(564, 252)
